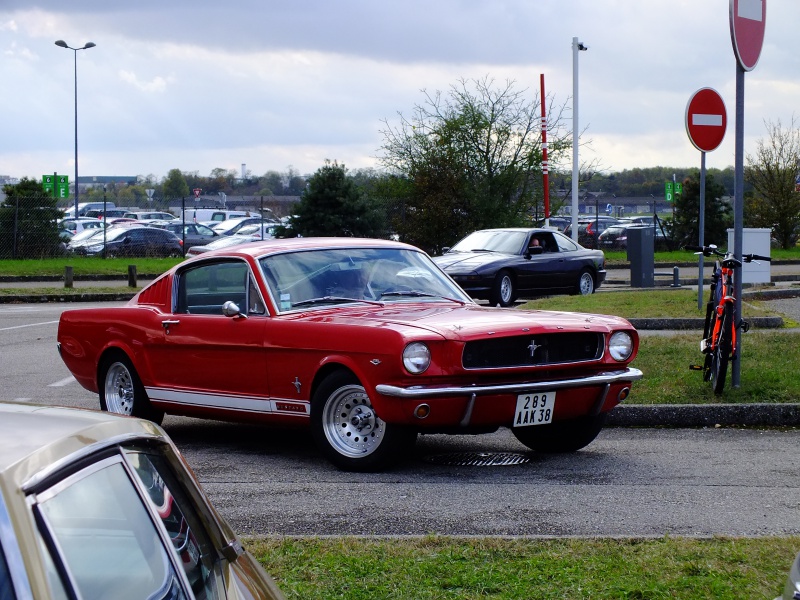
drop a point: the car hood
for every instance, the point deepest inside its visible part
(464, 323)
(468, 261)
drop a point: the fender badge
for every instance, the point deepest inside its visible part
(375, 361)
(297, 384)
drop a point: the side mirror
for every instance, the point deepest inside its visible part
(445, 250)
(231, 309)
(535, 250)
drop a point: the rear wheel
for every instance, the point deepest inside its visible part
(503, 290)
(585, 284)
(723, 350)
(349, 432)
(562, 436)
(122, 392)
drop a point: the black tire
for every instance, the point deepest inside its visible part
(504, 290)
(347, 430)
(723, 350)
(122, 392)
(562, 436)
(584, 286)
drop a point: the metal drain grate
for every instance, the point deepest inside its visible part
(478, 459)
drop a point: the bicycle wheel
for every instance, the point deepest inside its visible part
(708, 332)
(722, 352)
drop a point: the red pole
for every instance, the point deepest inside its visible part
(545, 176)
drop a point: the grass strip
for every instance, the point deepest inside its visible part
(466, 568)
(81, 266)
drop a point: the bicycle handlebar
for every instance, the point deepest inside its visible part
(713, 251)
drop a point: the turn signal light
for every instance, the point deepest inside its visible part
(422, 411)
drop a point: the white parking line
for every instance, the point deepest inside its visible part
(28, 325)
(63, 382)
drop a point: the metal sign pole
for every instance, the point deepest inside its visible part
(702, 230)
(738, 216)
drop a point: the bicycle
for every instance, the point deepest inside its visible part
(720, 330)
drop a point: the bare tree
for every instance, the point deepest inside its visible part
(773, 172)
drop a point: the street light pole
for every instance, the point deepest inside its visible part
(576, 47)
(86, 46)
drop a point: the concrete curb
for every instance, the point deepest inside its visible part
(705, 415)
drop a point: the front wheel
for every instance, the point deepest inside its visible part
(349, 432)
(562, 436)
(503, 292)
(723, 350)
(122, 392)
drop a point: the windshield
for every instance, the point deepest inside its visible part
(509, 242)
(297, 280)
(86, 234)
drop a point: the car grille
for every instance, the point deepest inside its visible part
(527, 350)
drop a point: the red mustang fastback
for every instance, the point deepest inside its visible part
(366, 341)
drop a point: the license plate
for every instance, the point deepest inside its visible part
(535, 409)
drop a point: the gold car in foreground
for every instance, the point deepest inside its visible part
(94, 505)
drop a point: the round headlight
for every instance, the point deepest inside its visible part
(416, 357)
(620, 345)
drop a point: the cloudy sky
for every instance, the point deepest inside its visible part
(197, 85)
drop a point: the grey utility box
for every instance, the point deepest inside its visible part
(641, 255)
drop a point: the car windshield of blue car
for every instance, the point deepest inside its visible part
(508, 242)
(337, 276)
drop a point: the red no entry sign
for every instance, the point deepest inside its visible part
(748, 20)
(706, 119)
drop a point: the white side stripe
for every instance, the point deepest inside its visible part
(712, 120)
(750, 9)
(63, 382)
(243, 403)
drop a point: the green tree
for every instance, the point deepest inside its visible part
(718, 214)
(773, 171)
(175, 185)
(473, 158)
(332, 205)
(28, 222)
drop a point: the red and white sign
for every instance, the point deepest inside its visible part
(706, 119)
(748, 20)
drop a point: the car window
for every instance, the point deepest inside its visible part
(184, 528)
(510, 242)
(565, 244)
(106, 542)
(203, 289)
(299, 280)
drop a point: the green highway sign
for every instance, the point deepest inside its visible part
(671, 190)
(56, 185)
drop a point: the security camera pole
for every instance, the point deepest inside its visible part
(576, 47)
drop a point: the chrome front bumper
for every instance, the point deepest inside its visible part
(421, 391)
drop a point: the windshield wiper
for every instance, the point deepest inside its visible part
(416, 294)
(333, 300)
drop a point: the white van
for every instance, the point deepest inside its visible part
(201, 215)
(86, 206)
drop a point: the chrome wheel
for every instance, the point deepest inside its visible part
(586, 284)
(503, 292)
(350, 424)
(119, 389)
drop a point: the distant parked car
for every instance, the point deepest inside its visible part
(110, 213)
(132, 241)
(264, 231)
(225, 241)
(79, 224)
(231, 226)
(500, 265)
(149, 215)
(590, 228)
(192, 234)
(98, 506)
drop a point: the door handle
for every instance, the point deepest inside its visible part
(167, 322)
